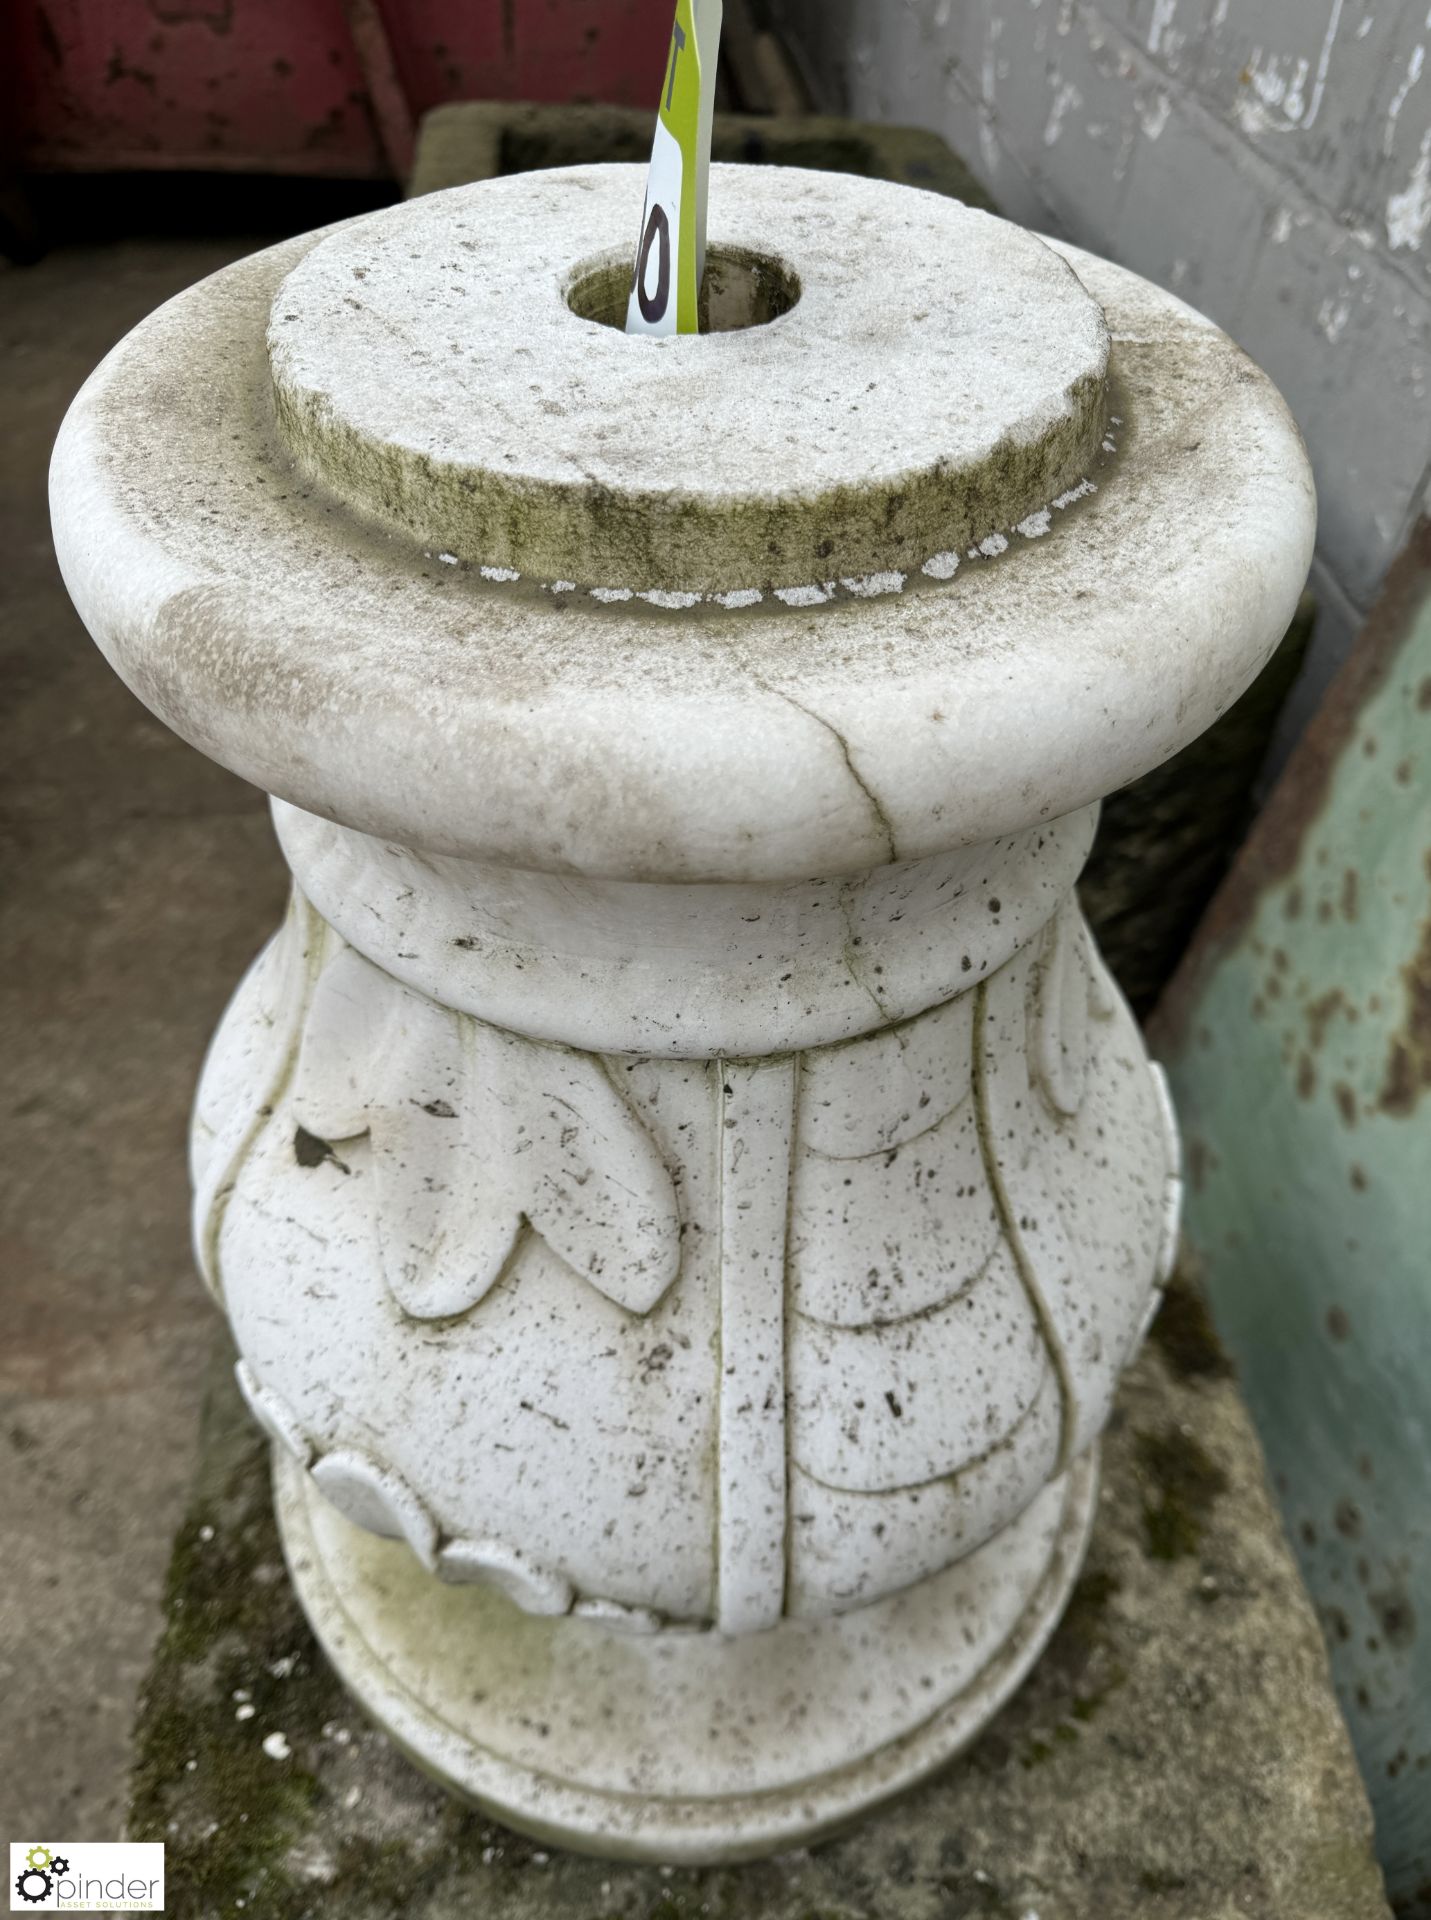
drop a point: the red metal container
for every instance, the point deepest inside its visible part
(300, 86)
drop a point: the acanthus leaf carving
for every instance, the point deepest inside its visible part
(474, 1131)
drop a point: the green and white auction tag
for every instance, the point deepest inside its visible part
(671, 252)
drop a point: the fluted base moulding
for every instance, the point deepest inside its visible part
(682, 1746)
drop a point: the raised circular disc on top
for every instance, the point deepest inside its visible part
(939, 375)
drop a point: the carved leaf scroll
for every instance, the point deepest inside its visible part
(475, 1132)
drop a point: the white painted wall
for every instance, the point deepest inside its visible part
(1270, 160)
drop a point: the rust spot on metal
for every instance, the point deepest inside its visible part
(1350, 884)
(218, 15)
(1396, 1615)
(1347, 1519)
(116, 69)
(1320, 1013)
(1338, 1626)
(1306, 1077)
(1346, 1103)
(1358, 1178)
(1275, 846)
(1338, 1325)
(1408, 1065)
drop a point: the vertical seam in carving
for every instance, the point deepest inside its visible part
(797, 1065)
(717, 1480)
(1011, 1234)
(753, 1450)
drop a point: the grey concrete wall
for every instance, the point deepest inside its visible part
(1268, 160)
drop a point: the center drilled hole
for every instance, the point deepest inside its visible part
(740, 289)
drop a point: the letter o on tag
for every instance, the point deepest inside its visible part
(658, 233)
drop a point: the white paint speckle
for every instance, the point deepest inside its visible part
(245, 1712)
(448, 559)
(1066, 96)
(1163, 11)
(1324, 61)
(206, 1534)
(801, 596)
(1281, 231)
(1393, 112)
(660, 597)
(562, 586)
(1080, 492)
(1037, 524)
(276, 1746)
(1332, 317)
(941, 566)
(495, 573)
(995, 544)
(868, 585)
(741, 597)
(607, 595)
(1153, 114)
(1408, 214)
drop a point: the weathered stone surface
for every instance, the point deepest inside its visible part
(457, 368)
(552, 731)
(1163, 843)
(526, 1344)
(1177, 1754)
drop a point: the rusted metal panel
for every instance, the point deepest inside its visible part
(280, 85)
(1298, 1039)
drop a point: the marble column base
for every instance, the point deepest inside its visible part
(686, 1747)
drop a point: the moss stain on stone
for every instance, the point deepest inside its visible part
(1185, 1335)
(1181, 1482)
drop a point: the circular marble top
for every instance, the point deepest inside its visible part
(309, 636)
(930, 376)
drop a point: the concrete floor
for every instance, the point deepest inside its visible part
(136, 881)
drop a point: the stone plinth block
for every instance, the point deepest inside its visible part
(683, 1183)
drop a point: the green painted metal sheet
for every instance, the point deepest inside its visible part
(1298, 1041)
